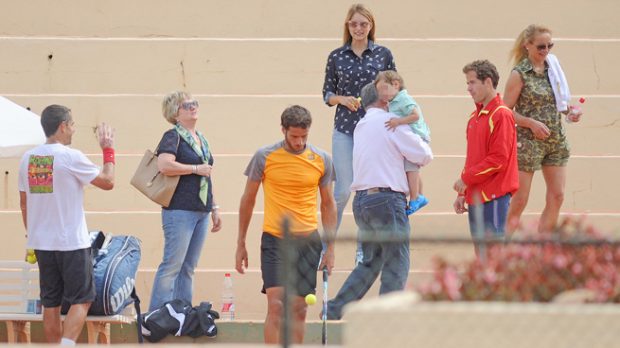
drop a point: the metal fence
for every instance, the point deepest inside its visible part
(541, 267)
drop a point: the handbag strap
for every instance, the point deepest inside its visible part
(178, 143)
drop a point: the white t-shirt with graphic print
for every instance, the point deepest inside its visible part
(53, 177)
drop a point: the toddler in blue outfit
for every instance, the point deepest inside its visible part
(391, 88)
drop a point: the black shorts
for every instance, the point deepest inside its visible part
(308, 254)
(66, 276)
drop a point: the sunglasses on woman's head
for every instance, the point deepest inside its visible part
(543, 46)
(189, 105)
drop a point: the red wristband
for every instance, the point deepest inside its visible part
(461, 195)
(108, 155)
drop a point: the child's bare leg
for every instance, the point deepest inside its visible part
(413, 179)
(416, 199)
(420, 191)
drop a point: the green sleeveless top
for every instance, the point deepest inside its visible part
(537, 101)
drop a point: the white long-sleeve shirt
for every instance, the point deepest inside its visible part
(379, 153)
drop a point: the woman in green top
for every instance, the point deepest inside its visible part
(541, 139)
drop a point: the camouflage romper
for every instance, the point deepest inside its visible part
(538, 102)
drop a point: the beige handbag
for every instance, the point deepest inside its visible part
(156, 186)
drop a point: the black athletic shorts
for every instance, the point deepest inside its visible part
(66, 276)
(307, 251)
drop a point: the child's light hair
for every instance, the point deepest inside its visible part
(390, 76)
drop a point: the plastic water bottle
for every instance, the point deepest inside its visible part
(574, 110)
(228, 299)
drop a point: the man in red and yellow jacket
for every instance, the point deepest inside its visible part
(490, 175)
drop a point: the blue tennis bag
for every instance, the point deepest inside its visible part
(115, 266)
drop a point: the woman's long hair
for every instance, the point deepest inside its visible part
(364, 11)
(518, 51)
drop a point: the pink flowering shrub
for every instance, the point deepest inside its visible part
(552, 263)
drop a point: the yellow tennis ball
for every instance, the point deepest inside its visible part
(310, 299)
(31, 258)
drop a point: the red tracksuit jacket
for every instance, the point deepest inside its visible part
(491, 169)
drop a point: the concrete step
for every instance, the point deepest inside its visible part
(240, 125)
(297, 18)
(251, 332)
(219, 248)
(231, 334)
(586, 191)
(250, 303)
(297, 67)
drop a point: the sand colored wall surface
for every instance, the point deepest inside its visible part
(245, 61)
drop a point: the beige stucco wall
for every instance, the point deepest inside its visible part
(247, 60)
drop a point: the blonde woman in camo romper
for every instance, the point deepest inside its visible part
(541, 138)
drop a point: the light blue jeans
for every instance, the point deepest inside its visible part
(184, 235)
(342, 153)
(384, 232)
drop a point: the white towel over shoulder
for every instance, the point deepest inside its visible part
(558, 83)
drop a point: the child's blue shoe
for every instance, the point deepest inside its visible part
(416, 204)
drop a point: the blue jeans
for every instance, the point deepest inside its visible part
(384, 233)
(342, 153)
(184, 235)
(489, 219)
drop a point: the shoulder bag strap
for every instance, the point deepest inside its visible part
(178, 143)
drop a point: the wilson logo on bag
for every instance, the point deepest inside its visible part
(116, 265)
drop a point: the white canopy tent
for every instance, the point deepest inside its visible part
(20, 129)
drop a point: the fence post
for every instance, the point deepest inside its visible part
(288, 280)
(480, 236)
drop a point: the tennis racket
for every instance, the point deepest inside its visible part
(324, 333)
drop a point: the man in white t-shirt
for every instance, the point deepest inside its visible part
(51, 181)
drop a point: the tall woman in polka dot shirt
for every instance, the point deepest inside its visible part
(349, 68)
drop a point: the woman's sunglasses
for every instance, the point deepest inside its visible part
(189, 105)
(542, 47)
